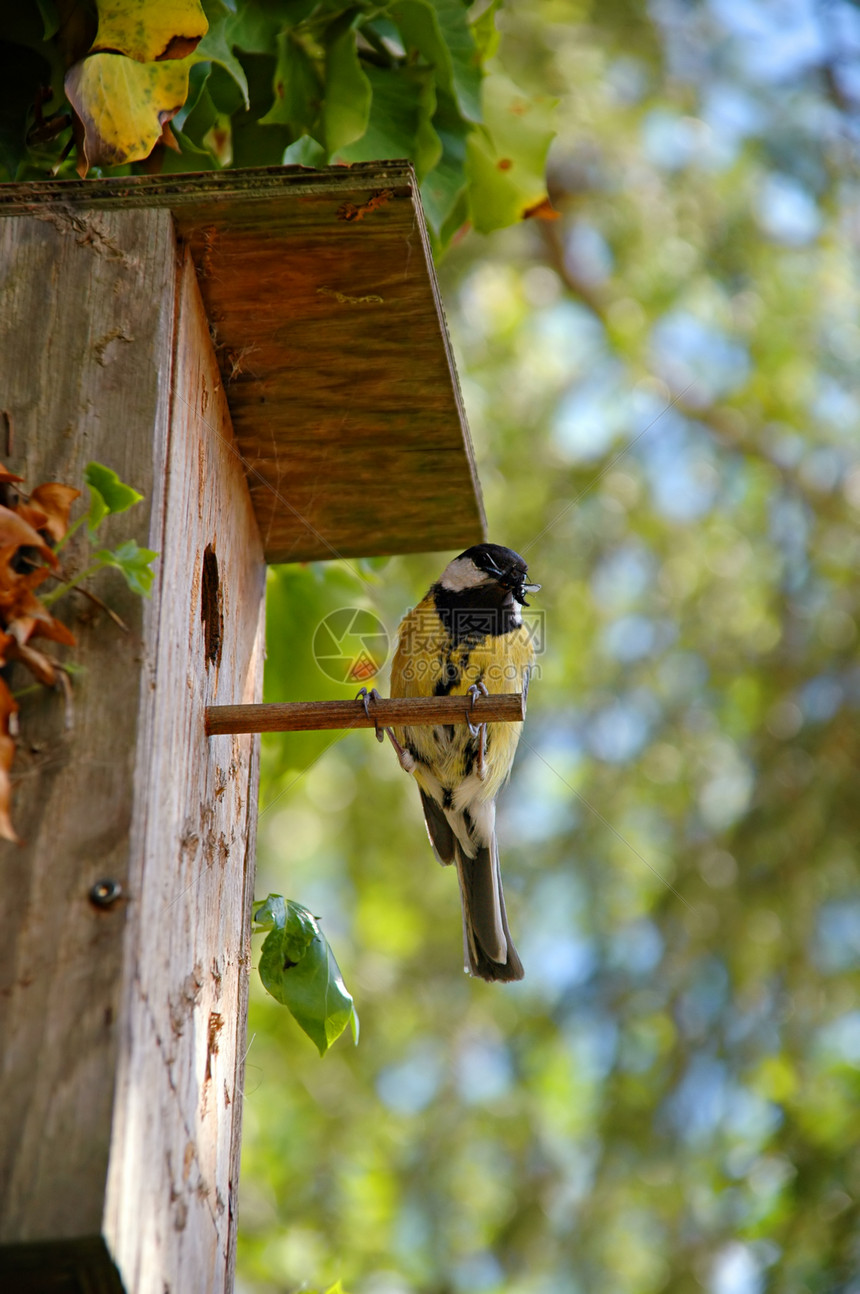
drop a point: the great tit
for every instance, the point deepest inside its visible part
(468, 632)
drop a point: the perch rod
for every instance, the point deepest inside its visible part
(308, 716)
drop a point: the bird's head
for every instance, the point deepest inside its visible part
(492, 568)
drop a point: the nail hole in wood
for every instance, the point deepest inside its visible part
(211, 612)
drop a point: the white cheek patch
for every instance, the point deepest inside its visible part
(462, 574)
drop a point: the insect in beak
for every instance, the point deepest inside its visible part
(522, 590)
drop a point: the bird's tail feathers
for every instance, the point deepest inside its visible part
(489, 951)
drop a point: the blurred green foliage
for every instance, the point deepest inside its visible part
(662, 391)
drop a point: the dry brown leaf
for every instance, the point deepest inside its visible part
(34, 517)
(36, 576)
(26, 560)
(8, 707)
(19, 630)
(168, 139)
(7, 754)
(35, 621)
(43, 669)
(543, 210)
(47, 627)
(15, 532)
(17, 600)
(55, 500)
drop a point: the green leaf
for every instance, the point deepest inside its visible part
(399, 123)
(135, 564)
(199, 115)
(298, 92)
(196, 125)
(108, 494)
(22, 70)
(441, 34)
(253, 144)
(506, 162)
(49, 16)
(225, 93)
(198, 78)
(298, 968)
(192, 157)
(254, 26)
(297, 925)
(485, 32)
(272, 913)
(428, 145)
(216, 46)
(348, 93)
(456, 218)
(444, 187)
(305, 152)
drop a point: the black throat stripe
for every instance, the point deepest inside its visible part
(471, 615)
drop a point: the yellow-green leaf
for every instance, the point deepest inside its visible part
(150, 30)
(123, 105)
(506, 162)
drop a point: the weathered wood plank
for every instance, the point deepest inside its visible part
(333, 347)
(123, 1029)
(75, 387)
(171, 1196)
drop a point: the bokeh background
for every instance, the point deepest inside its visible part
(662, 389)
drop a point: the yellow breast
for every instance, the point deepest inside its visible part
(423, 657)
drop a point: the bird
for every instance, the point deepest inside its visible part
(467, 635)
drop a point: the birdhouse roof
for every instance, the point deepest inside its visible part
(325, 315)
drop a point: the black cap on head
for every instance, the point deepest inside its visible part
(495, 559)
(506, 566)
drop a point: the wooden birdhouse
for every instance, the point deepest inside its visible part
(264, 356)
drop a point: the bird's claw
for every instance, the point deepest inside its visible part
(478, 730)
(476, 690)
(407, 760)
(366, 697)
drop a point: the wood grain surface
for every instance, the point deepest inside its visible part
(332, 343)
(124, 1027)
(75, 387)
(171, 1199)
(314, 716)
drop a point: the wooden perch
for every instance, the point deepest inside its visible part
(308, 716)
